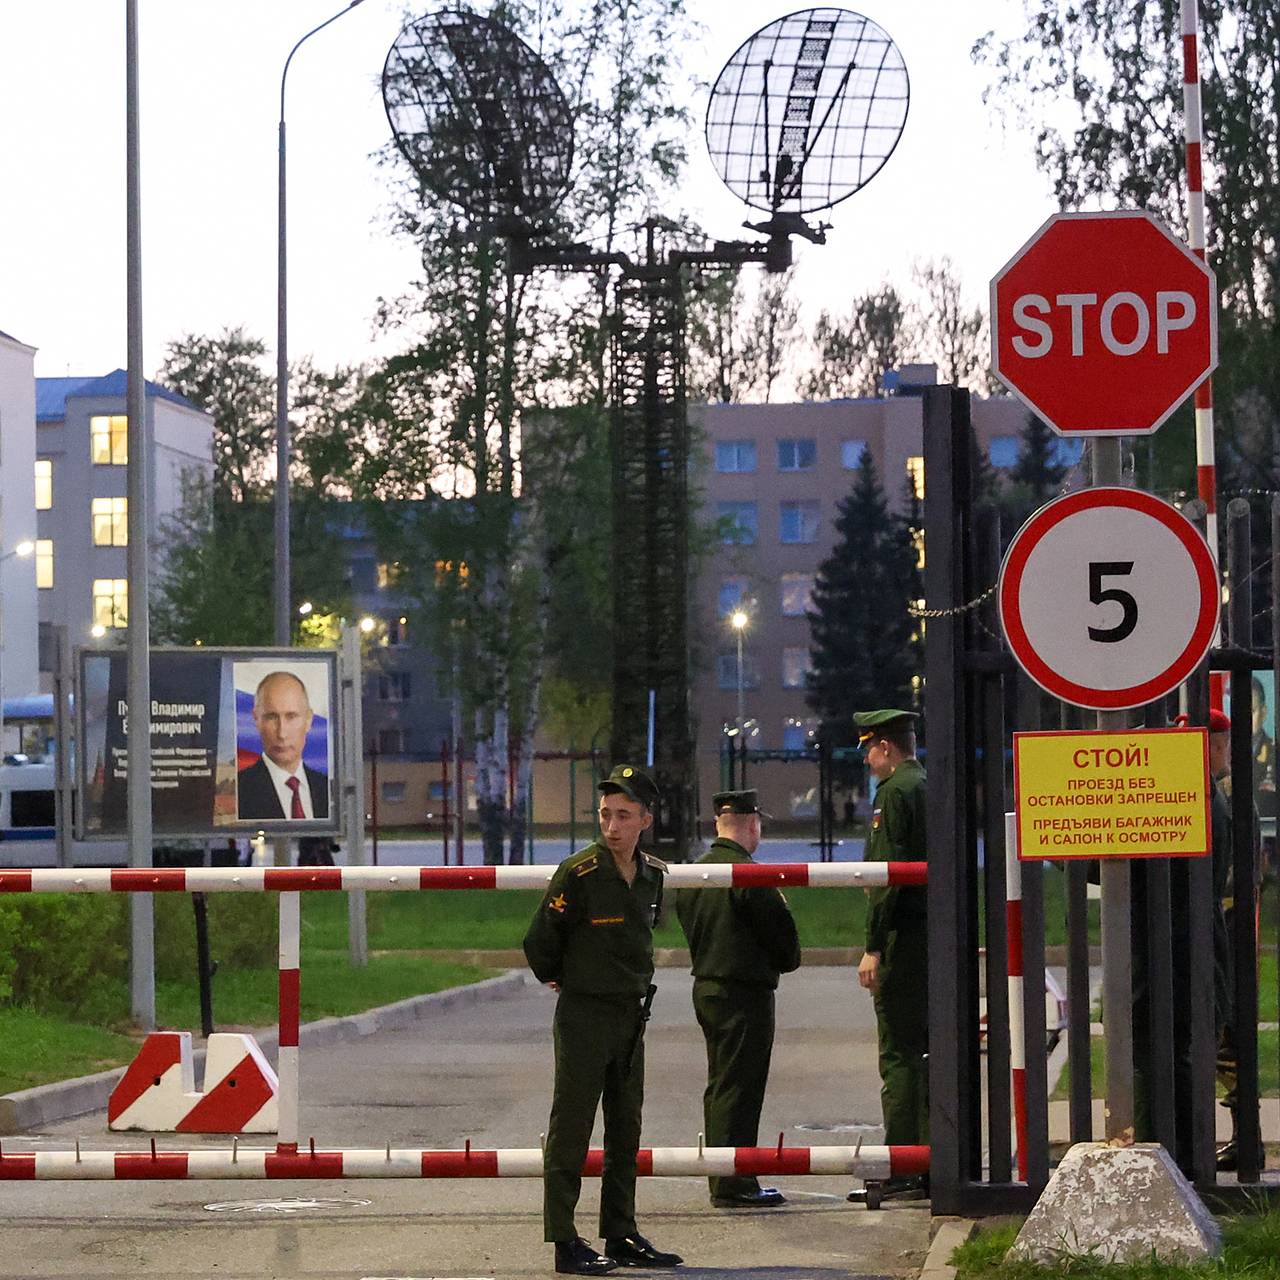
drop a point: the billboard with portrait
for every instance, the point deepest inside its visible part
(241, 741)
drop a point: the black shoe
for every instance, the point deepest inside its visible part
(636, 1251)
(914, 1186)
(1228, 1157)
(578, 1258)
(760, 1198)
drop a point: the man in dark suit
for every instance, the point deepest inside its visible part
(278, 784)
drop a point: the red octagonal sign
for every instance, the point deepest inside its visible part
(1103, 323)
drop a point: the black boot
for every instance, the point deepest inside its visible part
(636, 1251)
(578, 1258)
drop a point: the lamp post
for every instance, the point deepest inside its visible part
(281, 611)
(22, 550)
(738, 621)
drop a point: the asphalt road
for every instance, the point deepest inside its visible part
(484, 1073)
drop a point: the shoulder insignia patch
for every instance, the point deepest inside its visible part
(655, 861)
(591, 864)
(558, 903)
(875, 821)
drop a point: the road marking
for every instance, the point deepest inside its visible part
(299, 1205)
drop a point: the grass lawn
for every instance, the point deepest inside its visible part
(450, 920)
(1251, 1247)
(38, 1048)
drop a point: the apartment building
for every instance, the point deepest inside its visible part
(82, 509)
(777, 472)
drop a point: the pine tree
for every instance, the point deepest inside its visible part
(862, 638)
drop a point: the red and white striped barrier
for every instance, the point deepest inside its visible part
(867, 1162)
(158, 1094)
(1017, 1022)
(726, 875)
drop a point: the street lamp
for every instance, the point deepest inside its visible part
(738, 621)
(283, 587)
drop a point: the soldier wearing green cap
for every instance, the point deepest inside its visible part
(895, 964)
(740, 941)
(591, 940)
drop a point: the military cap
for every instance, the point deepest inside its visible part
(1219, 722)
(867, 722)
(743, 802)
(634, 783)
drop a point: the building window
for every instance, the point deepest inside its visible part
(735, 455)
(395, 632)
(798, 735)
(733, 593)
(393, 792)
(1065, 453)
(915, 474)
(44, 484)
(727, 671)
(917, 543)
(109, 440)
(44, 563)
(393, 742)
(798, 522)
(110, 522)
(795, 667)
(797, 594)
(110, 602)
(851, 454)
(740, 523)
(1003, 451)
(394, 687)
(797, 455)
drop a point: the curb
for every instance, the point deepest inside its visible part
(948, 1235)
(47, 1103)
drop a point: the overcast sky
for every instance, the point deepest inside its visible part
(210, 75)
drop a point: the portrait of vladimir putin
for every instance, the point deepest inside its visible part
(278, 784)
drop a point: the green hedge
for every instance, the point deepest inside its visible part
(69, 954)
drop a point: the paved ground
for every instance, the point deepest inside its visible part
(484, 1074)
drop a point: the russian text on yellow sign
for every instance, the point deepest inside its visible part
(1141, 794)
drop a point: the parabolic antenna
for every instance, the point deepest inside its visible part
(807, 111)
(478, 116)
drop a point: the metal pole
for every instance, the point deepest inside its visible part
(1117, 958)
(573, 797)
(741, 716)
(142, 976)
(62, 786)
(353, 794)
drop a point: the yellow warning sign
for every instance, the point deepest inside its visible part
(1143, 794)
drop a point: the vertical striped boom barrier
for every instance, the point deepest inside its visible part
(1017, 1021)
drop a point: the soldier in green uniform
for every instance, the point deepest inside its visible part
(740, 941)
(895, 963)
(591, 940)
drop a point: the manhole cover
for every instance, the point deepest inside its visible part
(303, 1204)
(840, 1126)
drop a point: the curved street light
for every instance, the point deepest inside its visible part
(283, 585)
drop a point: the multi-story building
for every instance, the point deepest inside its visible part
(776, 473)
(18, 616)
(82, 508)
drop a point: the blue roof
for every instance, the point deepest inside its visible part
(52, 394)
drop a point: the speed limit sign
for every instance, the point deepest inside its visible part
(1108, 598)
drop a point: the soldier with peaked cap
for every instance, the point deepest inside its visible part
(895, 963)
(591, 940)
(740, 941)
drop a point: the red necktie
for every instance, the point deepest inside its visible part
(295, 809)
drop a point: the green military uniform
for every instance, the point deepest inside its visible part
(740, 941)
(593, 935)
(896, 929)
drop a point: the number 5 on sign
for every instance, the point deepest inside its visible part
(1108, 598)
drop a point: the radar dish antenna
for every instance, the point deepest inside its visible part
(479, 117)
(805, 113)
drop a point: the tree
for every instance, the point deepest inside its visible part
(770, 336)
(863, 639)
(853, 354)
(951, 334)
(1120, 66)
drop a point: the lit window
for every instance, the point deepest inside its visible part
(797, 594)
(851, 454)
(727, 671)
(741, 521)
(797, 455)
(109, 440)
(110, 522)
(917, 542)
(795, 667)
(44, 563)
(44, 484)
(915, 474)
(388, 574)
(1003, 451)
(110, 602)
(798, 522)
(735, 455)
(733, 591)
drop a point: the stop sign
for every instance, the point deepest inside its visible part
(1103, 323)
